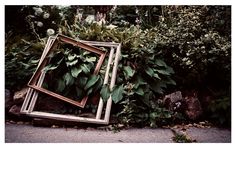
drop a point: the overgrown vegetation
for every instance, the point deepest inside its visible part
(164, 48)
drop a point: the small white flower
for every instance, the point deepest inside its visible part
(38, 11)
(50, 32)
(39, 24)
(46, 15)
(89, 19)
(111, 26)
(101, 22)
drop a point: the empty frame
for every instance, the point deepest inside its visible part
(37, 80)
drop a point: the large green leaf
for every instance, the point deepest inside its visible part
(105, 92)
(69, 80)
(129, 72)
(50, 68)
(32, 61)
(160, 63)
(86, 53)
(139, 81)
(156, 76)
(89, 66)
(163, 71)
(71, 63)
(149, 71)
(91, 81)
(85, 69)
(117, 93)
(75, 71)
(166, 71)
(170, 81)
(71, 56)
(139, 91)
(60, 85)
(60, 61)
(89, 91)
(170, 70)
(90, 59)
(81, 81)
(98, 84)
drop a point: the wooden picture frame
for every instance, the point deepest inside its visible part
(45, 60)
(114, 55)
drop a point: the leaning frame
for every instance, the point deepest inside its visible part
(39, 71)
(31, 97)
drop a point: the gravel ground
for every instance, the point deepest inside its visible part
(15, 133)
(28, 134)
(209, 135)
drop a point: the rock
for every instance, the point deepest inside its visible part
(173, 101)
(19, 96)
(8, 99)
(193, 108)
(174, 97)
(54, 126)
(15, 110)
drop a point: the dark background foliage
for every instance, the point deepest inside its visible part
(164, 49)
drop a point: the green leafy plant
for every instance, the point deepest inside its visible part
(220, 111)
(21, 60)
(70, 73)
(182, 138)
(192, 41)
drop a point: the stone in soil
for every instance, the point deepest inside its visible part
(193, 107)
(15, 110)
(19, 96)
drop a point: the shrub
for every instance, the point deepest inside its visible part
(21, 60)
(193, 41)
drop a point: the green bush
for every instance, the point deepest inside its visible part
(21, 60)
(198, 52)
(193, 41)
(220, 111)
(143, 74)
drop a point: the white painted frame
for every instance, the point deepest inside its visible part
(32, 95)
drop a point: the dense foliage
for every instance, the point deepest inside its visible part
(161, 46)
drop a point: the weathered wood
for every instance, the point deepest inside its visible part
(33, 81)
(113, 80)
(80, 119)
(66, 117)
(24, 108)
(100, 43)
(42, 76)
(58, 96)
(100, 105)
(87, 47)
